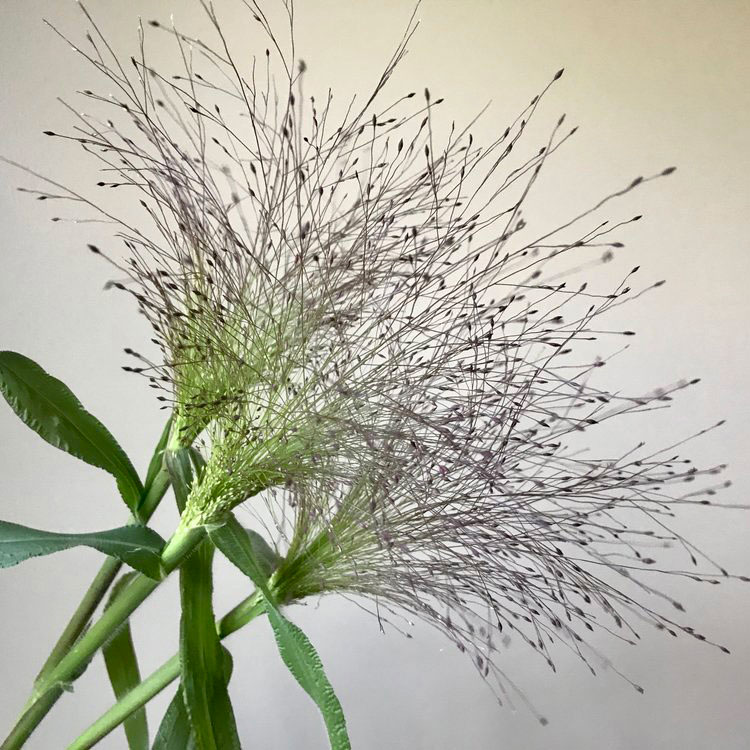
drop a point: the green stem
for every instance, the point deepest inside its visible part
(81, 617)
(235, 619)
(48, 689)
(101, 583)
(239, 616)
(154, 494)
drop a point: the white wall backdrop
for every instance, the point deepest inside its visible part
(652, 84)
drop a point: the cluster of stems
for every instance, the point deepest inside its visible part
(81, 639)
(380, 351)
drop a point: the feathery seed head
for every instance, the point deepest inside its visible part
(385, 351)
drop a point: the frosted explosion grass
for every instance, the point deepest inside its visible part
(362, 339)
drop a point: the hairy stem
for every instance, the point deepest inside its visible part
(235, 619)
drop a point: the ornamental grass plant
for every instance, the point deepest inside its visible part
(381, 379)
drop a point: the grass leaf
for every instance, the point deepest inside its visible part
(157, 459)
(174, 731)
(204, 667)
(204, 679)
(295, 648)
(303, 662)
(137, 546)
(49, 407)
(124, 675)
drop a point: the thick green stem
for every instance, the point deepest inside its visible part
(156, 486)
(49, 687)
(246, 611)
(83, 614)
(101, 583)
(132, 701)
(153, 496)
(235, 619)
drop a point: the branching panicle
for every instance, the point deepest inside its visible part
(381, 348)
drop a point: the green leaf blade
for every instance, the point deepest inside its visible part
(180, 471)
(174, 731)
(137, 546)
(50, 408)
(295, 648)
(202, 660)
(156, 463)
(248, 551)
(124, 674)
(303, 662)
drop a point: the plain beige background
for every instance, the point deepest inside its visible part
(652, 84)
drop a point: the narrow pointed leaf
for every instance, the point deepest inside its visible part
(124, 675)
(174, 731)
(180, 474)
(303, 662)
(266, 557)
(295, 649)
(49, 407)
(79, 672)
(245, 552)
(137, 546)
(204, 680)
(157, 460)
(204, 667)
